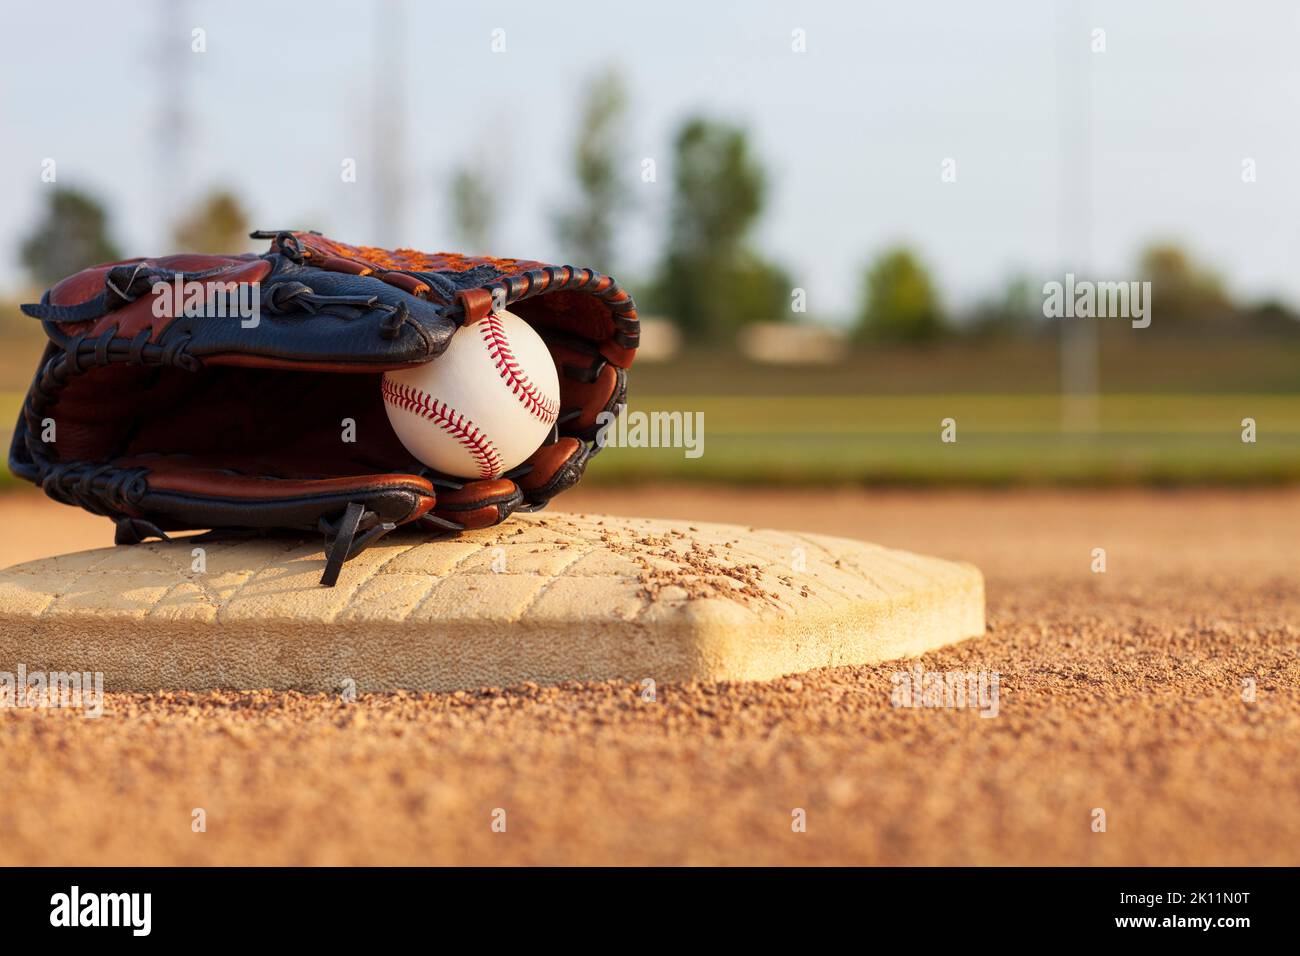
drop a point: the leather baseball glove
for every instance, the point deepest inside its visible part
(169, 411)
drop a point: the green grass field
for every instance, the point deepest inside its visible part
(1170, 415)
(1001, 439)
(1170, 412)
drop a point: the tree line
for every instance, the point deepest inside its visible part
(710, 279)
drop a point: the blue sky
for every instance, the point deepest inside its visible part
(1066, 159)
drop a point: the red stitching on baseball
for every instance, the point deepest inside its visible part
(449, 420)
(498, 343)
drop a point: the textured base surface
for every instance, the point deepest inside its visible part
(541, 599)
(1121, 691)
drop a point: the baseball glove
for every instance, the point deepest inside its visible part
(161, 409)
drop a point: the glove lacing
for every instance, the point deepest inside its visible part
(347, 537)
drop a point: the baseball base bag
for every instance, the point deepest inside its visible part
(164, 411)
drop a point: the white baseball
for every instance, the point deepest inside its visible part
(483, 406)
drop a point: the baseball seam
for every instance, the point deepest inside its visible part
(498, 345)
(469, 435)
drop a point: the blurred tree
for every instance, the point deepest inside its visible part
(1182, 290)
(710, 281)
(588, 230)
(71, 235)
(760, 291)
(1272, 316)
(217, 224)
(473, 209)
(1015, 311)
(899, 301)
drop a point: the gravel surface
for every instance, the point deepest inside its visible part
(1120, 693)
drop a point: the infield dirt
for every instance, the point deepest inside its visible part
(1122, 691)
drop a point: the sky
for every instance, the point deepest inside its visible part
(1078, 131)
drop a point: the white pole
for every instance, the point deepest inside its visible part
(171, 125)
(388, 135)
(1078, 337)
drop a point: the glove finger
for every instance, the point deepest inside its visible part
(555, 468)
(479, 504)
(588, 386)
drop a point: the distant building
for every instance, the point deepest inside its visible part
(780, 343)
(660, 340)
